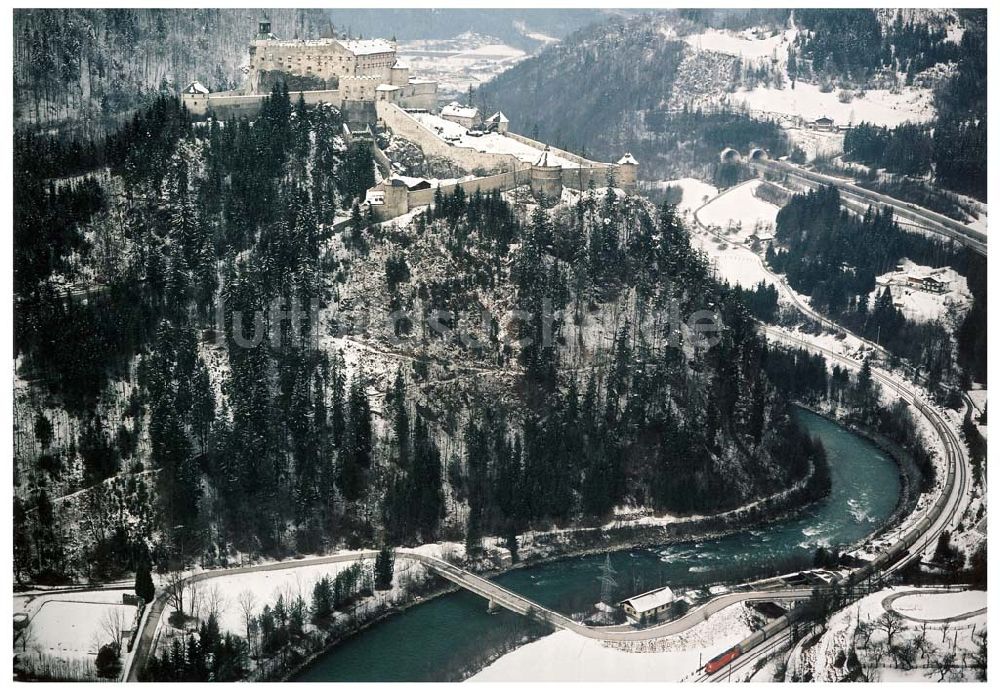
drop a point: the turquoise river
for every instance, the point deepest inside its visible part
(441, 637)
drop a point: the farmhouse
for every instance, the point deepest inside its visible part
(822, 123)
(927, 283)
(649, 606)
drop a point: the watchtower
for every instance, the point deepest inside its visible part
(628, 171)
(546, 180)
(264, 29)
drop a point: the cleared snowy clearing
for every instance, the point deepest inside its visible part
(745, 44)
(878, 106)
(734, 264)
(739, 212)
(940, 605)
(568, 657)
(73, 629)
(694, 193)
(740, 209)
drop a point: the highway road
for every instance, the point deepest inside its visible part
(926, 219)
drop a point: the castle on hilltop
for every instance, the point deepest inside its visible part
(335, 71)
(366, 81)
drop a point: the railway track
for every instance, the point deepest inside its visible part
(918, 537)
(932, 222)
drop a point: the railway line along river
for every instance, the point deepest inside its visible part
(444, 636)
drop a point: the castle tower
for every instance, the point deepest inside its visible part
(546, 179)
(628, 172)
(264, 28)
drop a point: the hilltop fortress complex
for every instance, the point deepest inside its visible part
(364, 78)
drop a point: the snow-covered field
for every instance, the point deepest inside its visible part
(694, 193)
(816, 143)
(491, 142)
(878, 106)
(740, 210)
(750, 43)
(568, 657)
(930, 641)
(738, 213)
(737, 265)
(69, 625)
(940, 605)
(919, 305)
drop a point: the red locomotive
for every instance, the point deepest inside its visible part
(721, 660)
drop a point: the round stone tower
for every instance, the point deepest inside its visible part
(546, 180)
(628, 172)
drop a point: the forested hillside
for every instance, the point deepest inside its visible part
(613, 87)
(142, 417)
(852, 47)
(834, 258)
(88, 67)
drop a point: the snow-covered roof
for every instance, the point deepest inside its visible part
(196, 87)
(386, 88)
(400, 66)
(498, 117)
(628, 159)
(457, 110)
(651, 600)
(368, 46)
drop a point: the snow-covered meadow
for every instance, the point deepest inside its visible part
(878, 106)
(918, 651)
(568, 657)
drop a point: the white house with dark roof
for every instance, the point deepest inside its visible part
(649, 606)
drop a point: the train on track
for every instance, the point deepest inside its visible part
(883, 561)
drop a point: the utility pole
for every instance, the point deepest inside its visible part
(608, 582)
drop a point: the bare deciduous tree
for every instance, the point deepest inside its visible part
(175, 591)
(215, 601)
(247, 603)
(891, 623)
(24, 637)
(111, 629)
(943, 665)
(864, 633)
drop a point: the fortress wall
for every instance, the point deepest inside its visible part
(585, 176)
(484, 184)
(404, 125)
(228, 104)
(420, 95)
(569, 156)
(381, 159)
